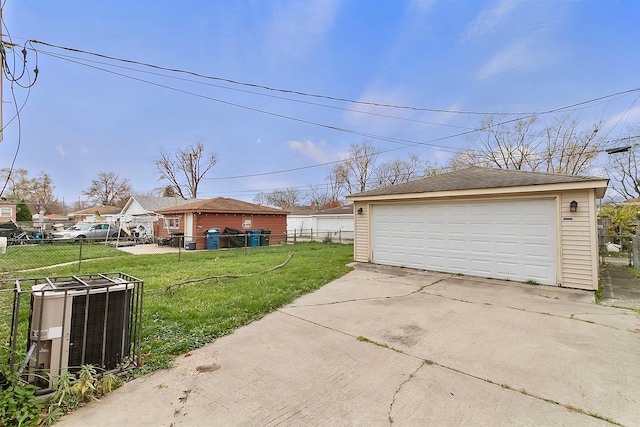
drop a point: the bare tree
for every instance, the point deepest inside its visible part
(15, 183)
(325, 195)
(399, 171)
(42, 194)
(286, 198)
(37, 192)
(570, 150)
(109, 189)
(561, 147)
(185, 168)
(80, 205)
(624, 172)
(500, 144)
(355, 173)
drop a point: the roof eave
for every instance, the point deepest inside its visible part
(600, 187)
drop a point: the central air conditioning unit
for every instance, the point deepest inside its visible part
(82, 320)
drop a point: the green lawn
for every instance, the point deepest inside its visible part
(195, 314)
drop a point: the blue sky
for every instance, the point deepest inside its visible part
(471, 56)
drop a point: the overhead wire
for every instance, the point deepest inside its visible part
(288, 99)
(269, 88)
(10, 73)
(408, 143)
(405, 142)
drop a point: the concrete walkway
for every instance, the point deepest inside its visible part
(621, 287)
(388, 346)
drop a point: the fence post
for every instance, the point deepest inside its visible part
(80, 256)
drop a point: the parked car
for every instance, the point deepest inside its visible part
(87, 231)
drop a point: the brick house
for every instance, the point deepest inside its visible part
(194, 219)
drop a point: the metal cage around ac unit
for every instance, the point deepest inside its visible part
(92, 319)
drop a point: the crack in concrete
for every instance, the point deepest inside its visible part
(401, 385)
(523, 391)
(525, 310)
(420, 289)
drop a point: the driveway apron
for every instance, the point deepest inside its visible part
(398, 347)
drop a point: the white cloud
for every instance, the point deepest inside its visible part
(516, 56)
(60, 150)
(84, 150)
(259, 141)
(297, 28)
(318, 152)
(489, 20)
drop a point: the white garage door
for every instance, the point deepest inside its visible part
(513, 239)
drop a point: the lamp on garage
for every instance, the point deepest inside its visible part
(573, 206)
(359, 211)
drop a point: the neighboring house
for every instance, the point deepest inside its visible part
(7, 211)
(498, 223)
(47, 222)
(299, 219)
(194, 219)
(96, 214)
(308, 221)
(335, 223)
(142, 211)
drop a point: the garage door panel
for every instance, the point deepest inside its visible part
(506, 249)
(536, 250)
(506, 239)
(506, 268)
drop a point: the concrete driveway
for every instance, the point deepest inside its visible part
(389, 346)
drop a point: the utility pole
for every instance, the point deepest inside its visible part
(2, 72)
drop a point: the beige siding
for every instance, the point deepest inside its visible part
(577, 237)
(361, 244)
(578, 248)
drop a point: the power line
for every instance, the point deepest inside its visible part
(268, 88)
(81, 61)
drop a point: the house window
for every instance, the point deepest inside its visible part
(171, 223)
(5, 212)
(247, 223)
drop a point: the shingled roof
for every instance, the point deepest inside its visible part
(475, 177)
(222, 205)
(153, 204)
(100, 210)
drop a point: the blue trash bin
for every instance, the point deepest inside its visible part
(253, 237)
(213, 238)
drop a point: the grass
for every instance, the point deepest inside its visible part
(35, 256)
(195, 314)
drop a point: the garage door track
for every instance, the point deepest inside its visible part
(387, 346)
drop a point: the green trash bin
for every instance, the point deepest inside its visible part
(213, 238)
(253, 238)
(265, 237)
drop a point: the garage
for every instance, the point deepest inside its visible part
(497, 223)
(503, 239)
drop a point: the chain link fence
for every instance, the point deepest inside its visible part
(326, 236)
(617, 246)
(33, 256)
